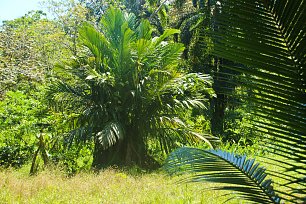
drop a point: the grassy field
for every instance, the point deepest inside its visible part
(109, 186)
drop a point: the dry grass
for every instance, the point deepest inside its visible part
(109, 186)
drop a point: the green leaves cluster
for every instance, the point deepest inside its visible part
(19, 114)
(28, 48)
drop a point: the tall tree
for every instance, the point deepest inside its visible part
(28, 47)
(196, 20)
(131, 91)
(69, 15)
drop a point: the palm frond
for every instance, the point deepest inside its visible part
(235, 172)
(80, 135)
(167, 33)
(188, 83)
(144, 30)
(111, 133)
(95, 41)
(269, 39)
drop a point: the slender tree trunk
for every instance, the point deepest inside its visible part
(217, 120)
(224, 86)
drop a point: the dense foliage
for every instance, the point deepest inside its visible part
(126, 82)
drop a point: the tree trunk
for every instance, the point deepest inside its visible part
(129, 151)
(107, 157)
(224, 85)
(217, 120)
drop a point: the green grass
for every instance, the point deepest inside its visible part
(109, 186)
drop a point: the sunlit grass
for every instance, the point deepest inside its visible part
(111, 185)
(108, 186)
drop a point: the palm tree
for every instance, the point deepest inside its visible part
(129, 90)
(268, 38)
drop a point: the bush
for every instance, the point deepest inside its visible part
(15, 156)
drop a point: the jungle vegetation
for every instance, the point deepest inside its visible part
(190, 87)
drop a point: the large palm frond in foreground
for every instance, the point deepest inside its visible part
(235, 172)
(268, 38)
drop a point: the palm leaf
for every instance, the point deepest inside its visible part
(95, 41)
(167, 33)
(268, 38)
(235, 172)
(111, 133)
